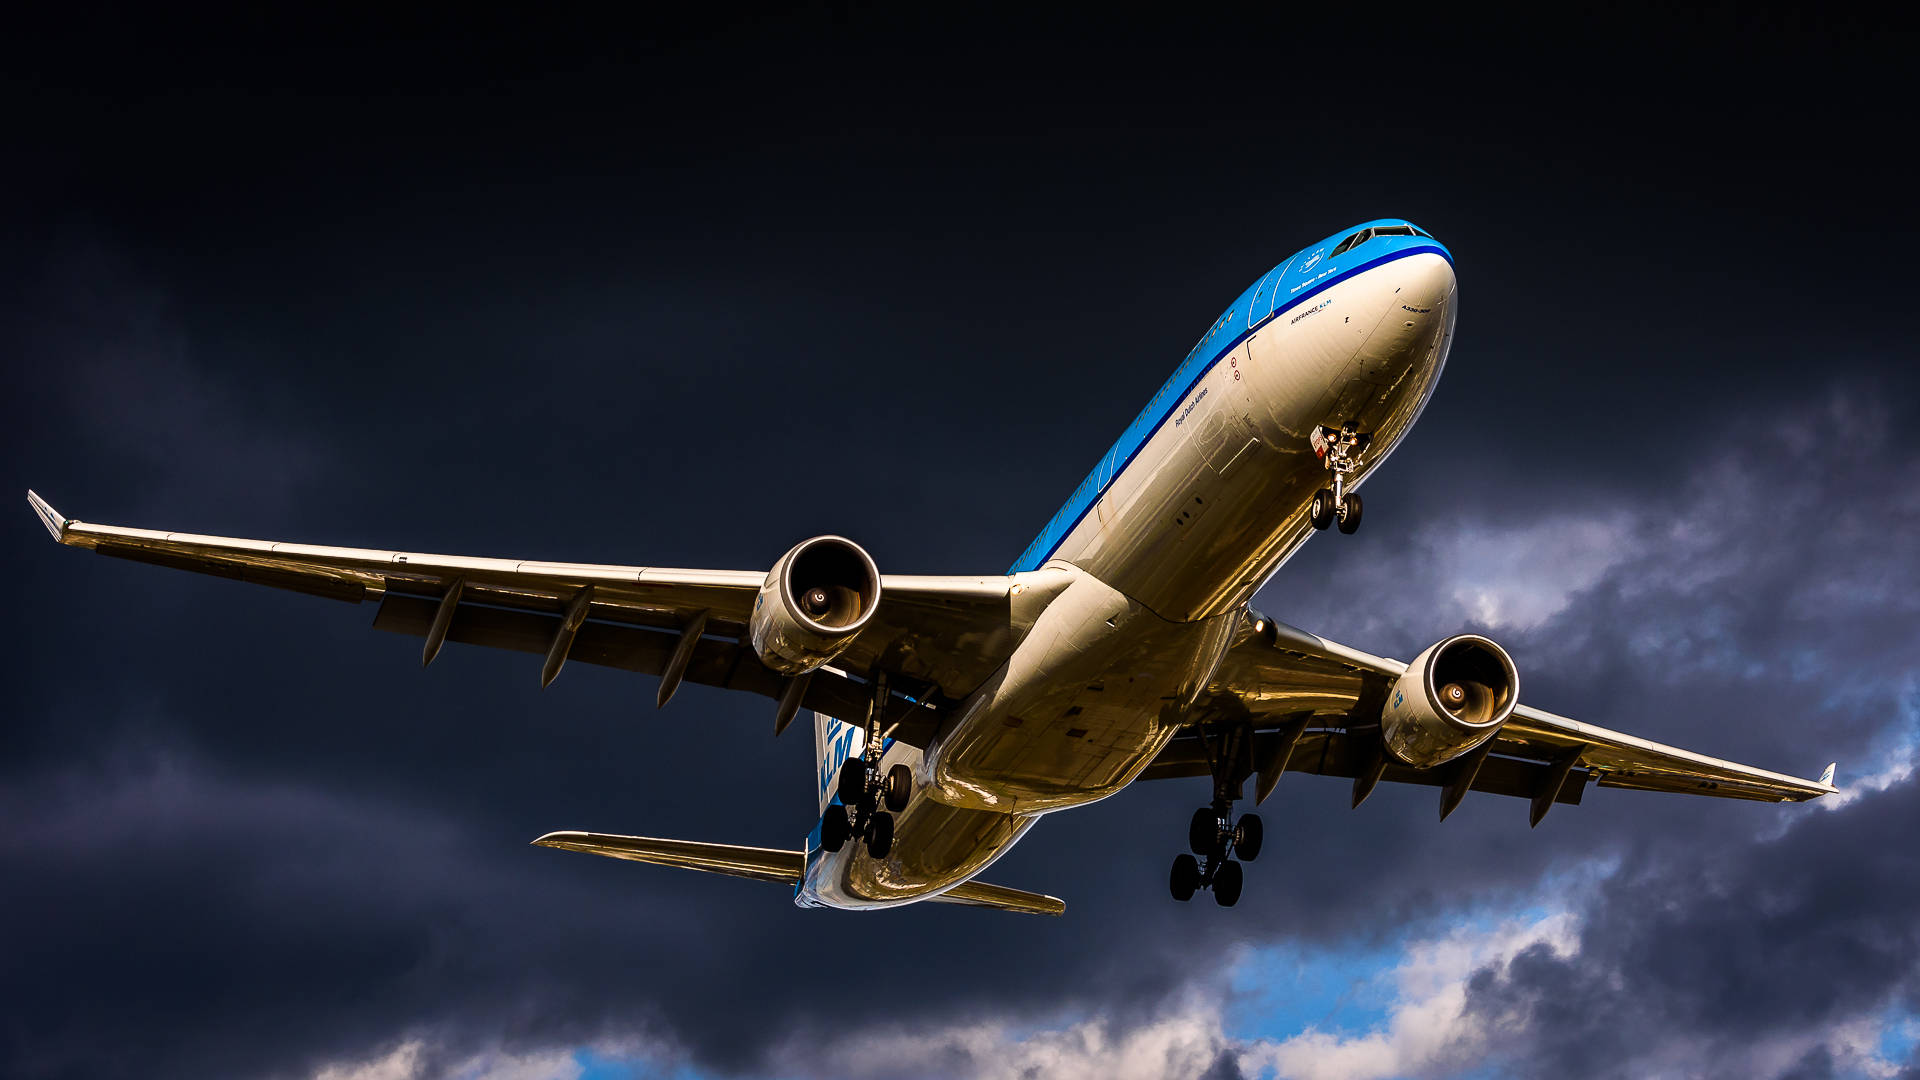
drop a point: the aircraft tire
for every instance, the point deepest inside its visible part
(1203, 832)
(880, 838)
(853, 781)
(1226, 884)
(1248, 836)
(1322, 512)
(1350, 513)
(898, 788)
(1185, 878)
(834, 828)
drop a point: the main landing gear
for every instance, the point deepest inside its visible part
(865, 792)
(1214, 837)
(1340, 450)
(873, 797)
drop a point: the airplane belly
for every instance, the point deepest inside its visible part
(1205, 511)
(1092, 694)
(935, 847)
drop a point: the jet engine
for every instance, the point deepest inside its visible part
(1452, 698)
(813, 603)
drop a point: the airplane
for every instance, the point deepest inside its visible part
(952, 713)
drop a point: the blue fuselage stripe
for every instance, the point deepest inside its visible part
(1087, 496)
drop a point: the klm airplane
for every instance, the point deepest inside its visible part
(952, 713)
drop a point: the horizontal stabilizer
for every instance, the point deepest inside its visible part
(981, 894)
(775, 865)
(760, 864)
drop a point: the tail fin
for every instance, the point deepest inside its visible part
(833, 741)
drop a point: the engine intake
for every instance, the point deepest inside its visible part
(815, 600)
(1452, 698)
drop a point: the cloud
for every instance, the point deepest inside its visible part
(411, 1061)
(1186, 1044)
(1741, 961)
(252, 840)
(1428, 1030)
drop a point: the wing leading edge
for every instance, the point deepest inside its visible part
(1304, 703)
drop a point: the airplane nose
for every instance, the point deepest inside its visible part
(1426, 281)
(1414, 305)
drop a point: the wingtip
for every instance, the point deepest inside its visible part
(557, 839)
(56, 525)
(1826, 778)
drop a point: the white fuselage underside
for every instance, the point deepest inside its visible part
(1162, 566)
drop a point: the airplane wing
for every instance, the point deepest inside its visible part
(1285, 699)
(937, 637)
(777, 865)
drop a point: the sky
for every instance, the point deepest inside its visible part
(684, 291)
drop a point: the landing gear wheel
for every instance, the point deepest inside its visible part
(880, 835)
(1226, 884)
(1323, 511)
(1203, 832)
(853, 781)
(1247, 837)
(898, 788)
(1185, 878)
(1350, 513)
(834, 828)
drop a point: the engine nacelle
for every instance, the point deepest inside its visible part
(1452, 698)
(813, 603)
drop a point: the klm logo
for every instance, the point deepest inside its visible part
(840, 740)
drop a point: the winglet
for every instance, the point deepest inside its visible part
(56, 525)
(1826, 778)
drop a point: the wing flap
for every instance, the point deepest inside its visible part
(1336, 753)
(715, 661)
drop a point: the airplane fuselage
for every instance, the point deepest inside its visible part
(1199, 502)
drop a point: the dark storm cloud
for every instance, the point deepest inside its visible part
(1716, 960)
(686, 303)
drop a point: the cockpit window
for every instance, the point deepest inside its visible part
(1352, 242)
(1365, 235)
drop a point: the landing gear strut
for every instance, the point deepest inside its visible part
(1213, 835)
(873, 797)
(1340, 450)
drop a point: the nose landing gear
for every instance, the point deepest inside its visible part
(1340, 450)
